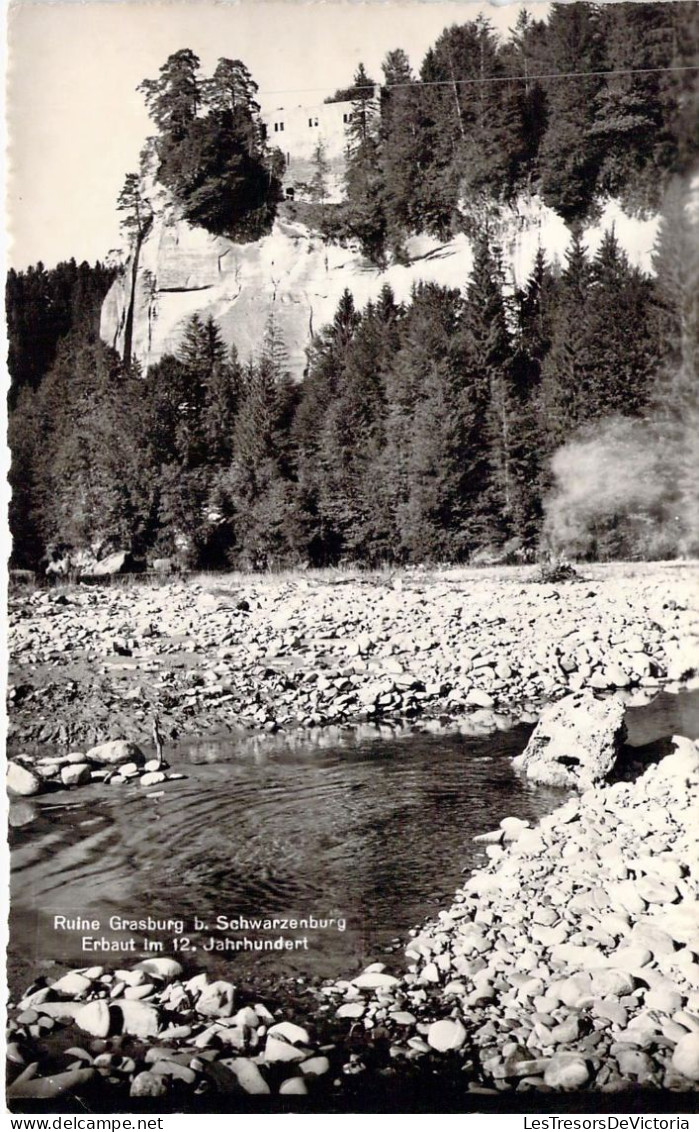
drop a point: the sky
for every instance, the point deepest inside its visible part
(76, 123)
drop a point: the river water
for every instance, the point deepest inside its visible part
(358, 839)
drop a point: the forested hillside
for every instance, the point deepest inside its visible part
(44, 306)
(554, 417)
(598, 100)
(422, 432)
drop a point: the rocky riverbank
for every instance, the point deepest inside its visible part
(90, 664)
(569, 963)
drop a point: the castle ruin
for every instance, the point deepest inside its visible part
(298, 131)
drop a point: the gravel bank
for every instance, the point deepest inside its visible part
(91, 664)
(571, 960)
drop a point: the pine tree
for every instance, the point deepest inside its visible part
(565, 376)
(362, 88)
(534, 320)
(621, 347)
(524, 101)
(326, 361)
(403, 152)
(91, 462)
(421, 466)
(173, 99)
(259, 485)
(43, 307)
(231, 87)
(326, 358)
(223, 394)
(469, 119)
(24, 519)
(486, 353)
(365, 217)
(628, 113)
(321, 172)
(202, 348)
(216, 163)
(138, 214)
(570, 156)
(676, 265)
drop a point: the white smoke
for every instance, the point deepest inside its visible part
(626, 489)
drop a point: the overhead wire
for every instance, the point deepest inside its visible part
(417, 83)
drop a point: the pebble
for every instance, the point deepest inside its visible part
(146, 1084)
(290, 1032)
(138, 1019)
(137, 993)
(153, 778)
(315, 1066)
(76, 774)
(163, 967)
(94, 1018)
(566, 1071)
(293, 1087)
(217, 1000)
(47, 1088)
(73, 984)
(168, 1068)
(685, 1058)
(278, 1050)
(663, 999)
(114, 752)
(350, 1010)
(445, 1035)
(249, 1076)
(373, 980)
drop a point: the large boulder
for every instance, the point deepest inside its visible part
(575, 743)
(21, 781)
(121, 562)
(115, 752)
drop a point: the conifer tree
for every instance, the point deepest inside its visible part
(138, 214)
(321, 172)
(93, 482)
(403, 151)
(535, 318)
(231, 87)
(365, 217)
(524, 101)
(174, 99)
(622, 349)
(487, 353)
(566, 370)
(570, 156)
(676, 265)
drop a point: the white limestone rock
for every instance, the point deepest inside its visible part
(115, 752)
(21, 781)
(575, 743)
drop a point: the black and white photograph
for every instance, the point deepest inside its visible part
(352, 626)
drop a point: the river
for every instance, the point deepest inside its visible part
(348, 841)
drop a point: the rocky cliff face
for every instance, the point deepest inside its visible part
(292, 273)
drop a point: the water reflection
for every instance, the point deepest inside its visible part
(305, 743)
